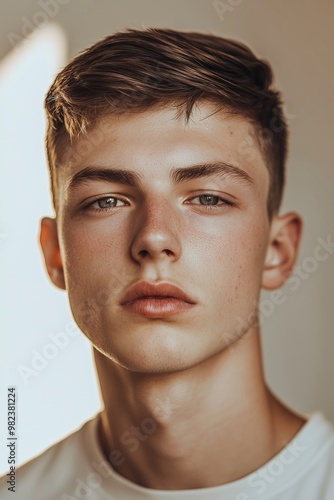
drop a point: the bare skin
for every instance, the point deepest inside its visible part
(214, 423)
(188, 389)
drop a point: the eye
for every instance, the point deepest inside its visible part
(104, 204)
(110, 201)
(208, 199)
(212, 201)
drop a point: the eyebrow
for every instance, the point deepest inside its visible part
(178, 175)
(117, 175)
(216, 169)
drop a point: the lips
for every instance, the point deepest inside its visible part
(156, 300)
(144, 289)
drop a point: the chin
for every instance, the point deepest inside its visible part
(155, 354)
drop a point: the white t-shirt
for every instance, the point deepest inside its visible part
(76, 469)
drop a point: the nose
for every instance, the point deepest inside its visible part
(156, 232)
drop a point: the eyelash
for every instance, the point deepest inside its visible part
(214, 207)
(207, 207)
(90, 207)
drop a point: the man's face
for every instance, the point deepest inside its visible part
(164, 228)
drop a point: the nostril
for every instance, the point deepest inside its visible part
(143, 253)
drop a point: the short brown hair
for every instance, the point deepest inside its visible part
(135, 70)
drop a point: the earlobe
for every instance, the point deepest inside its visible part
(282, 252)
(50, 247)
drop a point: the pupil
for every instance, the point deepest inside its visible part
(106, 202)
(208, 199)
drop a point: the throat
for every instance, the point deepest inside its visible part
(202, 427)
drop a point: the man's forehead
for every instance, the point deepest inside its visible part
(145, 131)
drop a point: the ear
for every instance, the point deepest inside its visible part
(50, 247)
(284, 240)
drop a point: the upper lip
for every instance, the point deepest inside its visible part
(143, 289)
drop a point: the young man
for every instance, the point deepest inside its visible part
(167, 153)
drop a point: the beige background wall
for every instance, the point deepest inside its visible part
(298, 38)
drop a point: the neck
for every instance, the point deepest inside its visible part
(205, 426)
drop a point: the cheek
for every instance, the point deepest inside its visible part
(236, 245)
(92, 251)
(234, 262)
(82, 295)
(95, 271)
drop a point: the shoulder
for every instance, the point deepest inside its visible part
(63, 460)
(304, 469)
(320, 467)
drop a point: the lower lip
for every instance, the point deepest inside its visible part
(157, 308)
